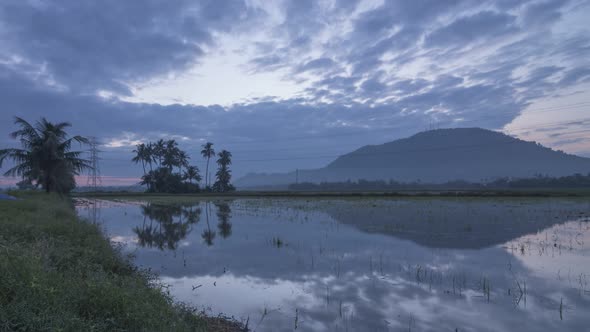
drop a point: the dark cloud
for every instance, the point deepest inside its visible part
(101, 45)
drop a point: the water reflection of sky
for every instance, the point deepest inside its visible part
(361, 265)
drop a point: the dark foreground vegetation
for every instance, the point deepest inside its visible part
(60, 274)
(46, 158)
(576, 181)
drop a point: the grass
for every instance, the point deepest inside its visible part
(59, 273)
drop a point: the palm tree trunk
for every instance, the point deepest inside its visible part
(207, 173)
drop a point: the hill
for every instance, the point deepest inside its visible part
(470, 154)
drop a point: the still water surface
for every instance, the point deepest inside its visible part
(367, 264)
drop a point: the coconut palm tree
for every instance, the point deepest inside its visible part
(183, 159)
(140, 155)
(46, 157)
(159, 148)
(223, 175)
(170, 154)
(224, 158)
(192, 173)
(207, 153)
(150, 154)
(148, 180)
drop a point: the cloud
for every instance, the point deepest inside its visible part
(364, 68)
(316, 65)
(481, 26)
(543, 13)
(88, 46)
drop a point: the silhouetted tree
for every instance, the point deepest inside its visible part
(46, 157)
(148, 180)
(223, 174)
(140, 155)
(170, 154)
(182, 160)
(167, 156)
(207, 153)
(192, 173)
(150, 154)
(159, 148)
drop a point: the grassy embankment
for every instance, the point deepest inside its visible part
(58, 273)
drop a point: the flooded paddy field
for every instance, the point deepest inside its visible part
(391, 264)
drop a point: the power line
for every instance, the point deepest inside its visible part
(552, 108)
(561, 123)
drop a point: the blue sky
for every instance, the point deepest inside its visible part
(290, 84)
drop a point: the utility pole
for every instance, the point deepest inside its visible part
(94, 179)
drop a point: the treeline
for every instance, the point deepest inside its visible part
(46, 159)
(573, 181)
(166, 168)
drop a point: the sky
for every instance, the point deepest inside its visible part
(292, 84)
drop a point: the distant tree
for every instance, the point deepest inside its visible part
(183, 159)
(223, 174)
(46, 157)
(171, 153)
(207, 153)
(163, 180)
(159, 148)
(140, 155)
(167, 157)
(148, 180)
(150, 152)
(192, 173)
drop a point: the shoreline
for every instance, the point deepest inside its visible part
(525, 192)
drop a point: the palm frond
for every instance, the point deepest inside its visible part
(17, 155)
(67, 144)
(18, 170)
(26, 130)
